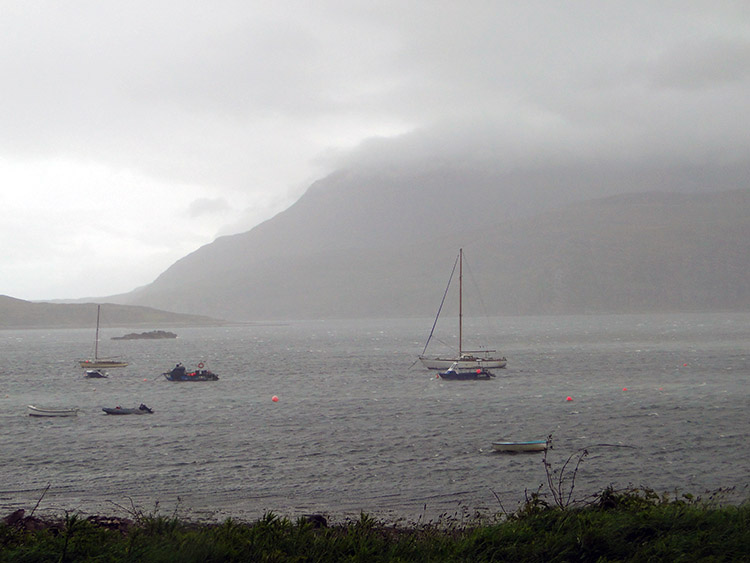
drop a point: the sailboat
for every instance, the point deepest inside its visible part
(97, 362)
(478, 361)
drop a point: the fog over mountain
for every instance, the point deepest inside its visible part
(582, 235)
(129, 141)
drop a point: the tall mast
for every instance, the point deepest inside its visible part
(460, 300)
(96, 344)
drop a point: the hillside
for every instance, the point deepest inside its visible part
(17, 313)
(372, 243)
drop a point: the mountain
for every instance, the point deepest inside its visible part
(17, 313)
(380, 242)
(630, 253)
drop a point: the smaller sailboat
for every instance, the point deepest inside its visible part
(97, 362)
(465, 361)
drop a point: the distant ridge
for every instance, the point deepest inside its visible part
(373, 243)
(17, 313)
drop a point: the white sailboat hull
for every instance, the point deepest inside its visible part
(463, 364)
(102, 364)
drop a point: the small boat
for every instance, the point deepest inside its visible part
(96, 373)
(48, 411)
(529, 446)
(455, 373)
(179, 373)
(98, 362)
(466, 360)
(142, 409)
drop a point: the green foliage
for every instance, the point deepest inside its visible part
(629, 525)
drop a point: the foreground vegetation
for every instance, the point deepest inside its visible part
(631, 525)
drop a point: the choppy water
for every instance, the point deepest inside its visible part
(359, 428)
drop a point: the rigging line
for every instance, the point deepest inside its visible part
(434, 324)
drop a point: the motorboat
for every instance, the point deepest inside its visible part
(180, 373)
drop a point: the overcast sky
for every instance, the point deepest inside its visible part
(132, 133)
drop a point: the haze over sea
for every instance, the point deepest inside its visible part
(658, 400)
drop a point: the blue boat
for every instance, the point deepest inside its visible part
(455, 373)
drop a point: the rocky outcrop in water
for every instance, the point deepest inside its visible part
(152, 335)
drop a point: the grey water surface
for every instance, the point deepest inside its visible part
(659, 401)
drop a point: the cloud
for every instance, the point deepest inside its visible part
(706, 65)
(247, 104)
(205, 206)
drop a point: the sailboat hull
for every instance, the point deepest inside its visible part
(102, 364)
(463, 364)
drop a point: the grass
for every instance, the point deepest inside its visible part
(629, 525)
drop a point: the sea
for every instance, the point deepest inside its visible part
(660, 402)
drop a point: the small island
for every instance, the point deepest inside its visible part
(153, 335)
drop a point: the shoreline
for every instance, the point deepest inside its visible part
(630, 525)
(463, 515)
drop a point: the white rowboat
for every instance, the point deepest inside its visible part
(47, 411)
(529, 446)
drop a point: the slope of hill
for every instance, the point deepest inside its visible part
(17, 313)
(631, 253)
(370, 243)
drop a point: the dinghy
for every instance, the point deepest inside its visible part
(142, 409)
(528, 446)
(49, 411)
